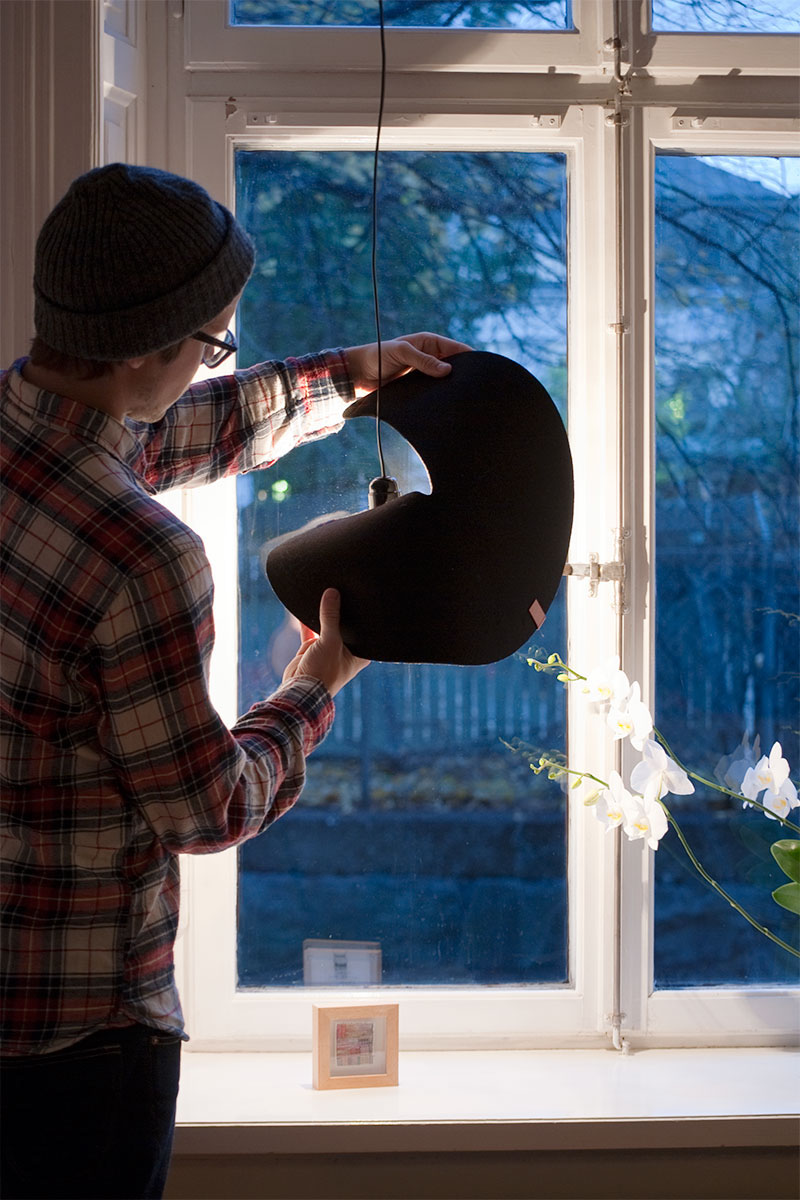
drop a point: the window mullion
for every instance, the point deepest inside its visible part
(635, 334)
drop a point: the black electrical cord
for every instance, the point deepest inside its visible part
(383, 488)
(375, 298)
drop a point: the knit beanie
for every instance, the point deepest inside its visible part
(132, 260)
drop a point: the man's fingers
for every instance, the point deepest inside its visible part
(430, 365)
(425, 351)
(329, 609)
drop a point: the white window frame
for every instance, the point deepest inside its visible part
(563, 1013)
(231, 88)
(756, 1015)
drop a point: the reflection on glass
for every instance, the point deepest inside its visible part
(490, 14)
(727, 535)
(726, 16)
(418, 829)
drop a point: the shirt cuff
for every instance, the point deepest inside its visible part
(326, 390)
(304, 702)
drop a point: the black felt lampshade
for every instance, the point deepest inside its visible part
(466, 574)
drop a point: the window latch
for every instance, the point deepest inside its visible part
(598, 572)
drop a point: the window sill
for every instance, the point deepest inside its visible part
(493, 1100)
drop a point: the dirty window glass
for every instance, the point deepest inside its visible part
(726, 16)
(727, 536)
(490, 14)
(420, 837)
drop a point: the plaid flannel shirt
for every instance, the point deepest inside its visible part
(114, 760)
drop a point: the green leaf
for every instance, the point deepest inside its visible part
(787, 855)
(788, 896)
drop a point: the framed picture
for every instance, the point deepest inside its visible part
(355, 1046)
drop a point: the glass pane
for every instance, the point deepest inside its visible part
(727, 535)
(726, 16)
(490, 14)
(418, 829)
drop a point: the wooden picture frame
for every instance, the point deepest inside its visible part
(355, 1046)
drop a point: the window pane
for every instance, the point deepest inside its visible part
(726, 16)
(418, 829)
(727, 534)
(490, 14)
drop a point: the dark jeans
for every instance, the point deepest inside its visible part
(94, 1121)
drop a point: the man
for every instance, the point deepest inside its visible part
(114, 759)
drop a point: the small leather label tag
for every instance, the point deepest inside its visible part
(538, 614)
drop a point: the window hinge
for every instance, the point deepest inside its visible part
(604, 572)
(547, 120)
(691, 121)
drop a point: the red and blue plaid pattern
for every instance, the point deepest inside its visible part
(114, 760)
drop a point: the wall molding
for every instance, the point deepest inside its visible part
(50, 132)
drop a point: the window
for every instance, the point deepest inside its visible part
(726, 16)
(419, 830)
(536, 14)
(727, 533)
(639, 231)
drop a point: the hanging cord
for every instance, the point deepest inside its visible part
(375, 299)
(384, 488)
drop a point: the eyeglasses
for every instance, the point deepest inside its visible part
(216, 351)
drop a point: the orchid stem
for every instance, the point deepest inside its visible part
(571, 771)
(718, 888)
(568, 675)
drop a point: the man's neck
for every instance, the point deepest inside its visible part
(100, 393)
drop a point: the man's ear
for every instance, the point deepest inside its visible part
(135, 363)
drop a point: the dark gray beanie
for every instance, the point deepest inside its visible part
(132, 260)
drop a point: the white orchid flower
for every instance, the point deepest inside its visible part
(645, 818)
(610, 806)
(658, 774)
(770, 773)
(607, 684)
(782, 802)
(633, 720)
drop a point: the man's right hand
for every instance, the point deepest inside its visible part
(325, 657)
(416, 351)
